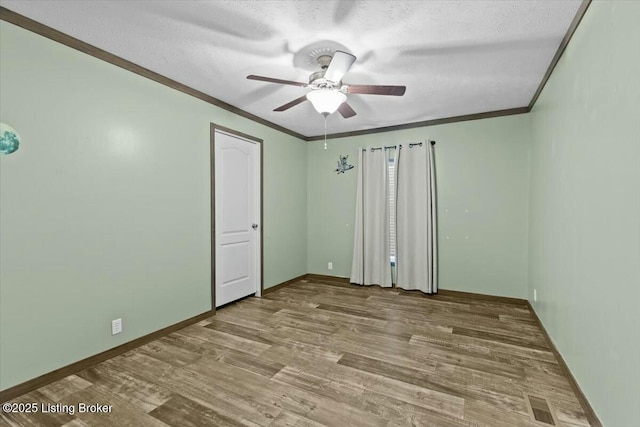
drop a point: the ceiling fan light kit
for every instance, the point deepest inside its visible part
(326, 101)
(328, 93)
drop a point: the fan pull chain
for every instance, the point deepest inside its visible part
(325, 131)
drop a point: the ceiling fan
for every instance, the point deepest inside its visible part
(328, 93)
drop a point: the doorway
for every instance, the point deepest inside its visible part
(236, 215)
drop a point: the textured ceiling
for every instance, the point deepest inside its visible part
(454, 57)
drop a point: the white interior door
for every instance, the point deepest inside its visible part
(237, 215)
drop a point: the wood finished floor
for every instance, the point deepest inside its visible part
(333, 354)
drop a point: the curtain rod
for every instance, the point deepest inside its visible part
(380, 148)
(399, 146)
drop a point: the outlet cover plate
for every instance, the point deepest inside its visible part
(116, 326)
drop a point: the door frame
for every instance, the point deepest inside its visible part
(212, 165)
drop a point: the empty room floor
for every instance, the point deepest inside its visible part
(320, 352)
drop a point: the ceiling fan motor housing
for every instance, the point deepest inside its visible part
(324, 61)
(317, 81)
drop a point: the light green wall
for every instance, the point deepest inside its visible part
(585, 209)
(481, 167)
(104, 210)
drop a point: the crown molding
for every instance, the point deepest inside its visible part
(563, 44)
(445, 120)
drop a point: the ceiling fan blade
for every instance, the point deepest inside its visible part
(339, 65)
(346, 110)
(292, 103)
(377, 90)
(271, 80)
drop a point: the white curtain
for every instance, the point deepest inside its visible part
(371, 254)
(416, 254)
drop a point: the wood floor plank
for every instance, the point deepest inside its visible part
(258, 365)
(182, 412)
(286, 351)
(330, 317)
(231, 341)
(291, 304)
(386, 369)
(239, 331)
(313, 382)
(122, 412)
(390, 331)
(349, 311)
(76, 423)
(342, 400)
(391, 343)
(287, 419)
(427, 398)
(143, 393)
(170, 350)
(570, 413)
(408, 303)
(300, 320)
(283, 333)
(474, 361)
(457, 340)
(66, 386)
(251, 318)
(487, 415)
(141, 365)
(513, 340)
(326, 353)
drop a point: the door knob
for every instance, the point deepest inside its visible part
(254, 226)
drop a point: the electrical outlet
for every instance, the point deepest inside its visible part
(116, 326)
(330, 265)
(535, 295)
